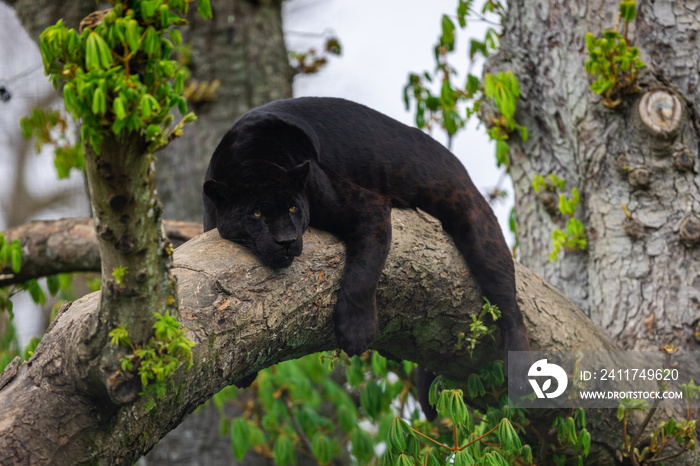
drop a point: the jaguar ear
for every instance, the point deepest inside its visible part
(299, 174)
(217, 191)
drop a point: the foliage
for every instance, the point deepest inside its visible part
(574, 236)
(155, 361)
(503, 89)
(312, 61)
(666, 433)
(119, 75)
(444, 109)
(49, 126)
(470, 434)
(613, 61)
(11, 260)
(478, 329)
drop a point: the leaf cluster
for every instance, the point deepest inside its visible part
(312, 61)
(467, 436)
(155, 361)
(613, 61)
(118, 74)
(503, 89)
(478, 329)
(573, 237)
(50, 126)
(11, 258)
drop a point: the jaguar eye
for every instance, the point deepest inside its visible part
(293, 208)
(257, 213)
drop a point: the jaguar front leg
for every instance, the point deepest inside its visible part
(367, 246)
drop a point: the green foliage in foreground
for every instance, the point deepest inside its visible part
(326, 405)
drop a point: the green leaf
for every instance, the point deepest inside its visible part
(118, 108)
(204, 8)
(104, 51)
(283, 451)
(15, 250)
(448, 33)
(396, 438)
(564, 205)
(133, 35)
(92, 54)
(584, 442)
(473, 84)
(321, 448)
(347, 417)
(362, 445)
(240, 436)
(502, 151)
(146, 105)
(463, 458)
(508, 436)
(35, 291)
(378, 364)
(53, 283)
(475, 387)
(99, 102)
(371, 399)
(462, 12)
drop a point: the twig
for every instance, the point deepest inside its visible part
(297, 426)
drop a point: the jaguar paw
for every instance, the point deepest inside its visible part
(355, 328)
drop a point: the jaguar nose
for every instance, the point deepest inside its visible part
(286, 243)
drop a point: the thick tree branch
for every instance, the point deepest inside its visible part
(70, 245)
(245, 317)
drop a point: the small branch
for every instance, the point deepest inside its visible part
(668, 457)
(290, 409)
(479, 438)
(69, 245)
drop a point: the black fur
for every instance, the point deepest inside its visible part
(343, 166)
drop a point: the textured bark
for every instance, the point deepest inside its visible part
(639, 279)
(245, 317)
(70, 245)
(242, 46)
(131, 238)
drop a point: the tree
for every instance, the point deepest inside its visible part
(635, 166)
(107, 428)
(237, 60)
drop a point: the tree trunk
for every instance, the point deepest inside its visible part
(639, 278)
(242, 47)
(245, 317)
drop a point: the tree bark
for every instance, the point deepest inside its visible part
(639, 278)
(70, 245)
(245, 317)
